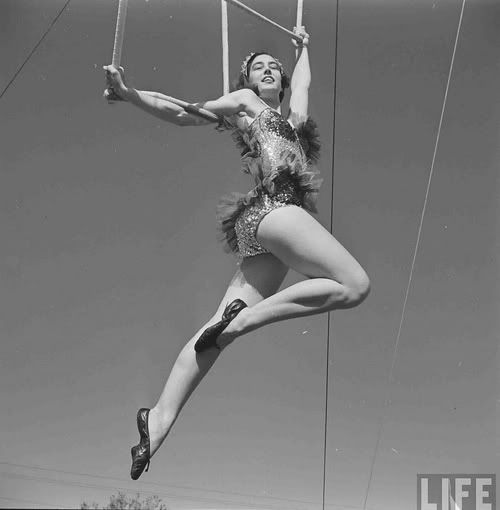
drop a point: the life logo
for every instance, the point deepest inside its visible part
(456, 492)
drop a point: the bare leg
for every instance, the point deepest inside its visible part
(188, 370)
(304, 298)
(295, 239)
(309, 297)
(337, 281)
(257, 278)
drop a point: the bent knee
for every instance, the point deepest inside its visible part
(357, 289)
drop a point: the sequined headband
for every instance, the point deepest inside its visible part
(244, 65)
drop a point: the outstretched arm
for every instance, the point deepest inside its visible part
(301, 81)
(157, 104)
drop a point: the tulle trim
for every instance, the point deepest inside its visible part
(309, 139)
(306, 182)
(228, 209)
(251, 160)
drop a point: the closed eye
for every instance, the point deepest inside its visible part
(259, 65)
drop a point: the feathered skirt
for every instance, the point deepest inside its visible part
(239, 214)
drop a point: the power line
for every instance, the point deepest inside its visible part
(48, 505)
(153, 484)
(34, 49)
(163, 494)
(415, 253)
(184, 487)
(330, 314)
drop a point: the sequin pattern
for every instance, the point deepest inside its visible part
(275, 137)
(249, 220)
(273, 155)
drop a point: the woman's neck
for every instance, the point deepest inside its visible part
(273, 102)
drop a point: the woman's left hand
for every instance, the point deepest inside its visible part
(305, 37)
(115, 78)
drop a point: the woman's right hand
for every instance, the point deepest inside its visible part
(115, 78)
(305, 37)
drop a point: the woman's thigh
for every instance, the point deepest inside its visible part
(257, 278)
(302, 243)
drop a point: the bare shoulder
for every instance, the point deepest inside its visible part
(247, 96)
(252, 103)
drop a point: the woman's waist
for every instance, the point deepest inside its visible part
(282, 188)
(264, 166)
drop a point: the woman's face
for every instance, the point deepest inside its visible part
(265, 73)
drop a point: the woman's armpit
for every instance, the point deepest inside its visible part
(241, 120)
(296, 119)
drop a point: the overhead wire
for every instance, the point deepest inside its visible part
(34, 49)
(31, 502)
(163, 494)
(422, 215)
(330, 314)
(140, 483)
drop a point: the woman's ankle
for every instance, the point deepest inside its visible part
(159, 428)
(163, 421)
(241, 324)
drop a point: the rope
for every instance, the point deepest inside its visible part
(225, 48)
(298, 22)
(119, 33)
(34, 49)
(300, 10)
(415, 253)
(109, 94)
(331, 230)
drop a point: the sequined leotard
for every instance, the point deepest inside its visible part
(280, 158)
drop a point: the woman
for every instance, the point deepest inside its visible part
(269, 228)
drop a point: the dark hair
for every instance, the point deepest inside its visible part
(239, 83)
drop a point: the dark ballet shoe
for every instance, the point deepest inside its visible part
(209, 337)
(141, 454)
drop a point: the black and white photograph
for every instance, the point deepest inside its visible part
(249, 254)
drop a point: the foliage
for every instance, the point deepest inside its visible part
(121, 501)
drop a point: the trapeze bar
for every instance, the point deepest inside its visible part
(242, 6)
